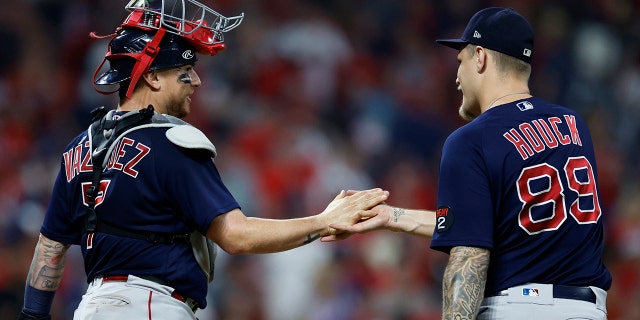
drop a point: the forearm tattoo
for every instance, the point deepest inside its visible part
(464, 281)
(311, 238)
(397, 213)
(47, 266)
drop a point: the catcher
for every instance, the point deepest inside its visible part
(139, 190)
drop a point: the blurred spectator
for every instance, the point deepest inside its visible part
(309, 98)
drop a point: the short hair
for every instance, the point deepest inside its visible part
(507, 64)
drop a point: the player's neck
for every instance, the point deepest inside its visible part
(139, 100)
(507, 98)
(504, 94)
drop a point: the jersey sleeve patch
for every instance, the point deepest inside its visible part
(444, 219)
(190, 137)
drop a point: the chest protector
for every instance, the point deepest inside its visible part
(104, 132)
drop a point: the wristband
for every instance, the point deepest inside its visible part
(37, 301)
(25, 315)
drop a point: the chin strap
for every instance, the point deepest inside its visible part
(144, 59)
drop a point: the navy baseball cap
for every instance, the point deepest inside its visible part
(500, 29)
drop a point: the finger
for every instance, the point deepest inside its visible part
(340, 195)
(335, 237)
(366, 214)
(370, 198)
(352, 192)
(340, 227)
(356, 228)
(364, 192)
(330, 238)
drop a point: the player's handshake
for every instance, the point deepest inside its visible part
(349, 207)
(385, 217)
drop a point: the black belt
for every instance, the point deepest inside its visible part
(574, 293)
(565, 292)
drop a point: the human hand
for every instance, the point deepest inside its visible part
(375, 218)
(348, 207)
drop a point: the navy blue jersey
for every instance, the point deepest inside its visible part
(149, 185)
(521, 180)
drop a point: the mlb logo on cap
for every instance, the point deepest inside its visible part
(500, 29)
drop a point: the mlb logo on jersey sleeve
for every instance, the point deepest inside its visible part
(524, 105)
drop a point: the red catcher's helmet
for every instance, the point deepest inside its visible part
(157, 34)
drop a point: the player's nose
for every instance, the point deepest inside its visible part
(195, 79)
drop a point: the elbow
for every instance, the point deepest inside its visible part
(231, 248)
(235, 248)
(233, 233)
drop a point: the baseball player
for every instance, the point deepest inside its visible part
(518, 202)
(139, 190)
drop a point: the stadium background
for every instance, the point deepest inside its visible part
(312, 97)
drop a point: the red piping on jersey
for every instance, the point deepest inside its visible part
(149, 304)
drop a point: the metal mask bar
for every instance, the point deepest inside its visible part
(185, 18)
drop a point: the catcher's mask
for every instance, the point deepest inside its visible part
(157, 35)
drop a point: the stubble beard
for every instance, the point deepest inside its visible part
(178, 109)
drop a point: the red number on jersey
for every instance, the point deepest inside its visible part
(100, 194)
(586, 190)
(552, 196)
(549, 200)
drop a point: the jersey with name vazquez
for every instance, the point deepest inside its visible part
(150, 185)
(521, 180)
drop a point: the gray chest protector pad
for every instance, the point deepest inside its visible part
(184, 135)
(187, 136)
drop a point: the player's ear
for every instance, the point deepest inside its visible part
(152, 79)
(480, 58)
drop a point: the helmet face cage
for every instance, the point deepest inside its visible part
(198, 24)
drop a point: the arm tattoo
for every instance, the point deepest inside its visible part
(311, 239)
(47, 266)
(397, 213)
(464, 281)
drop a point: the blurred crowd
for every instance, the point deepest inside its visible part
(312, 97)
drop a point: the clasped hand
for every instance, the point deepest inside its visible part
(355, 212)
